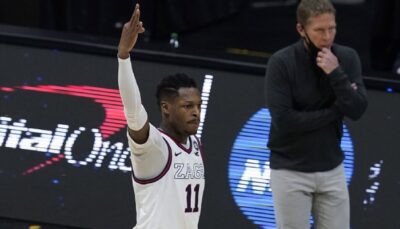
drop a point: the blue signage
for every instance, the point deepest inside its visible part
(249, 171)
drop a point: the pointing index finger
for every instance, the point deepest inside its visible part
(135, 13)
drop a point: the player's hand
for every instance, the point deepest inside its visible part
(327, 61)
(130, 33)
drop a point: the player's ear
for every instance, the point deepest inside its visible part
(165, 106)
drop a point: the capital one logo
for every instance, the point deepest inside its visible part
(58, 143)
(249, 171)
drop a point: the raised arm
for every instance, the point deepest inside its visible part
(149, 152)
(138, 125)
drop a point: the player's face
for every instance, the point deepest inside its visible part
(185, 112)
(320, 29)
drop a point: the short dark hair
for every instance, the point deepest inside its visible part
(310, 8)
(169, 86)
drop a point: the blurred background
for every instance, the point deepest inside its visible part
(244, 30)
(58, 74)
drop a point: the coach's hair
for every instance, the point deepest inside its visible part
(310, 8)
(169, 86)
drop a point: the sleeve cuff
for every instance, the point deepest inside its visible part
(127, 60)
(336, 72)
(336, 76)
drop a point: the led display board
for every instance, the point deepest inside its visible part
(64, 157)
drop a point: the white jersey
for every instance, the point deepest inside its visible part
(173, 198)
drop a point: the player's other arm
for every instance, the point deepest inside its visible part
(136, 115)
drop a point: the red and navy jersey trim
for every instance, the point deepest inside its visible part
(163, 172)
(187, 150)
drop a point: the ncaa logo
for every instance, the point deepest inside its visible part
(249, 171)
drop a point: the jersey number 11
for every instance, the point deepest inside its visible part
(189, 198)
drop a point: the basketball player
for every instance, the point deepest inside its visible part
(168, 172)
